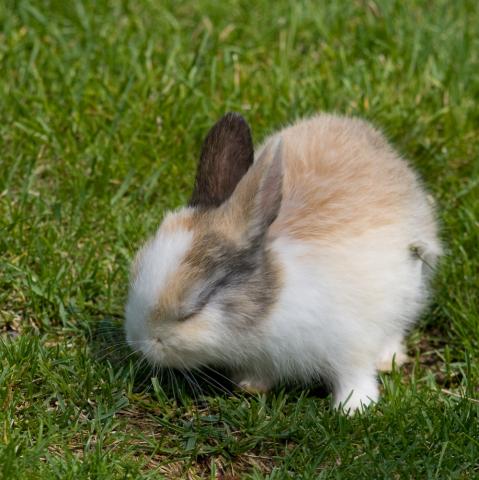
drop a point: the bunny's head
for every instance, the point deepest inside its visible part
(202, 284)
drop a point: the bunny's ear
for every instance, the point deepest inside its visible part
(256, 202)
(226, 156)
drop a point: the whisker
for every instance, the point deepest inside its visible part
(228, 379)
(195, 387)
(190, 383)
(112, 352)
(170, 376)
(177, 387)
(213, 382)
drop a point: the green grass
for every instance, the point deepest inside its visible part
(103, 105)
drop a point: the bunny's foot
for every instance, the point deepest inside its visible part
(252, 384)
(393, 353)
(355, 391)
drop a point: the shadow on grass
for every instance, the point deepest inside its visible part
(108, 344)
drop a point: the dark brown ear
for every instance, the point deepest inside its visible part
(226, 156)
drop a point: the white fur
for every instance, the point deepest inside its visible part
(341, 308)
(158, 260)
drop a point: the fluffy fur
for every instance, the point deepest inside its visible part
(313, 262)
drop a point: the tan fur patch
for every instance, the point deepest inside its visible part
(193, 268)
(193, 329)
(341, 178)
(214, 250)
(178, 220)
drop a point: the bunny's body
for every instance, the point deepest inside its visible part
(312, 262)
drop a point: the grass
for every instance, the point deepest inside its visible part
(103, 105)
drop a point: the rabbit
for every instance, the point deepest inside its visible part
(309, 260)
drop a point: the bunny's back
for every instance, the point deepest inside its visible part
(342, 179)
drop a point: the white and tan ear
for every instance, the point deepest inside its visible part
(256, 202)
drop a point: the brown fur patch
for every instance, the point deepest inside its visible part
(208, 250)
(245, 275)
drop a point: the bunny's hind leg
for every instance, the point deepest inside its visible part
(393, 352)
(355, 388)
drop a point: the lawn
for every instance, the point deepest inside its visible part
(103, 106)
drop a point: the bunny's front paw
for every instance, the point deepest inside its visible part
(352, 394)
(393, 353)
(253, 385)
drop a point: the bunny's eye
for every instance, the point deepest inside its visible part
(203, 298)
(186, 317)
